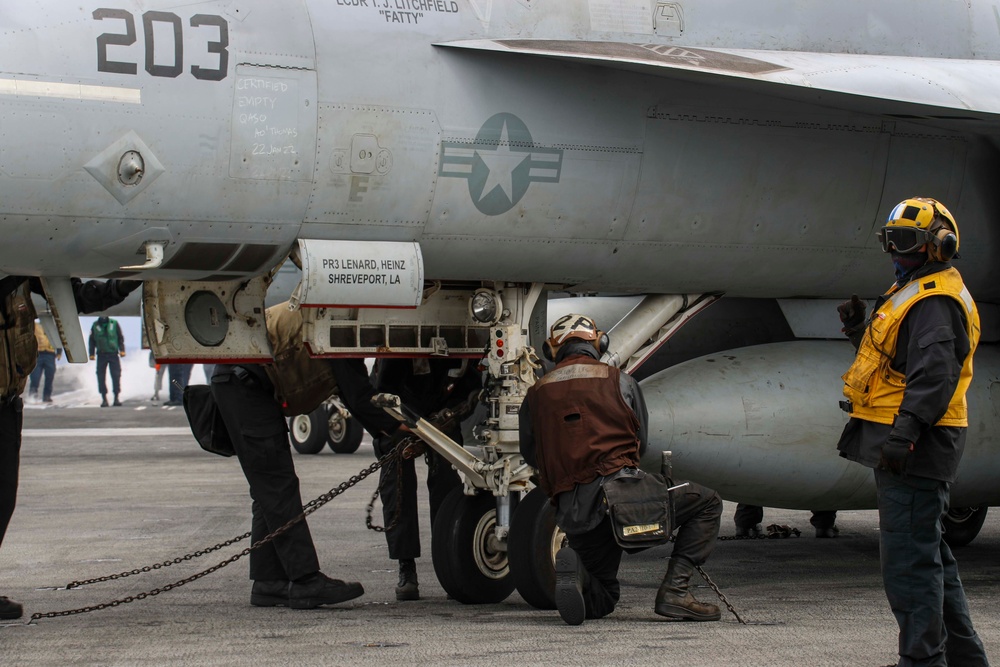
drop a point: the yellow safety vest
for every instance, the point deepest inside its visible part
(874, 389)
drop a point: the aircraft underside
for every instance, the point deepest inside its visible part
(439, 182)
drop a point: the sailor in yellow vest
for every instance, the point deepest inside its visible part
(908, 420)
(46, 365)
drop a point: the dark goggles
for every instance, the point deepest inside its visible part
(903, 239)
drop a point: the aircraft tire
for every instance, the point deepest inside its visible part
(532, 545)
(468, 568)
(309, 432)
(344, 434)
(962, 524)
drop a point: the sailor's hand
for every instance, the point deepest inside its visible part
(852, 313)
(122, 353)
(895, 454)
(126, 287)
(92, 357)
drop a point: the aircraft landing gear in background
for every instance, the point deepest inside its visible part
(344, 433)
(326, 424)
(533, 542)
(962, 524)
(469, 562)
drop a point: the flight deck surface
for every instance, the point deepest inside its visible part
(108, 490)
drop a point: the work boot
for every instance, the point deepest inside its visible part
(675, 601)
(753, 531)
(273, 593)
(832, 531)
(407, 589)
(9, 609)
(117, 403)
(569, 587)
(104, 400)
(320, 589)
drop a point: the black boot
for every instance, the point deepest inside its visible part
(117, 403)
(271, 593)
(407, 589)
(569, 587)
(675, 601)
(9, 609)
(319, 589)
(104, 400)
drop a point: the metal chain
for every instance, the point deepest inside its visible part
(370, 507)
(309, 508)
(156, 566)
(718, 592)
(774, 531)
(410, 447)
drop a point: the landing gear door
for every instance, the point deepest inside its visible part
(196, 322)
(361, 274)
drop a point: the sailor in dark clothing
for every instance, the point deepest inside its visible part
(19, 349)
(582, 424)
(425, 386)
(906, 398)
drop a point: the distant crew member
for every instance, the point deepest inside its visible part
(107, 344)
(19, 349)
(908, 420)
(47, 356)
(159, 370)
(748, 520)
(581, 424)
(178, 377)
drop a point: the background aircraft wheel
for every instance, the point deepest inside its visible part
(962, 524)
(469, 564)
(532, 545)
(345, 433)
(309, 432)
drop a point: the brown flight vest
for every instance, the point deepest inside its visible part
(301, 383)
(18, 344)
(582, 425)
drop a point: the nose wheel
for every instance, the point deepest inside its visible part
(533, 542)
(469, 562)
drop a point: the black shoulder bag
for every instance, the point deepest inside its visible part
(206, 422)
(640, 508)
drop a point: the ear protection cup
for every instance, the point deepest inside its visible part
(947, 244)
(547, 351)
(602, 342)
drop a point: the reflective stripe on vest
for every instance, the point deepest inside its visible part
(874, 389)
(583, 428)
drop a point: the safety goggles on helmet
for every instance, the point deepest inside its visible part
(903, 239)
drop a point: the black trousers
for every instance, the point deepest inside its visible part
(404, 538)
(920, 575)
(698, 513)
(106, 361)
(11, 413)
(259, 433)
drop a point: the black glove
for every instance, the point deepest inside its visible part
(126, 287)
(895, 453)
(852, 313)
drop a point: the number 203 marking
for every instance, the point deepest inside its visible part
(156, 69)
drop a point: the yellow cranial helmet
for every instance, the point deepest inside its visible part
(917, 221)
